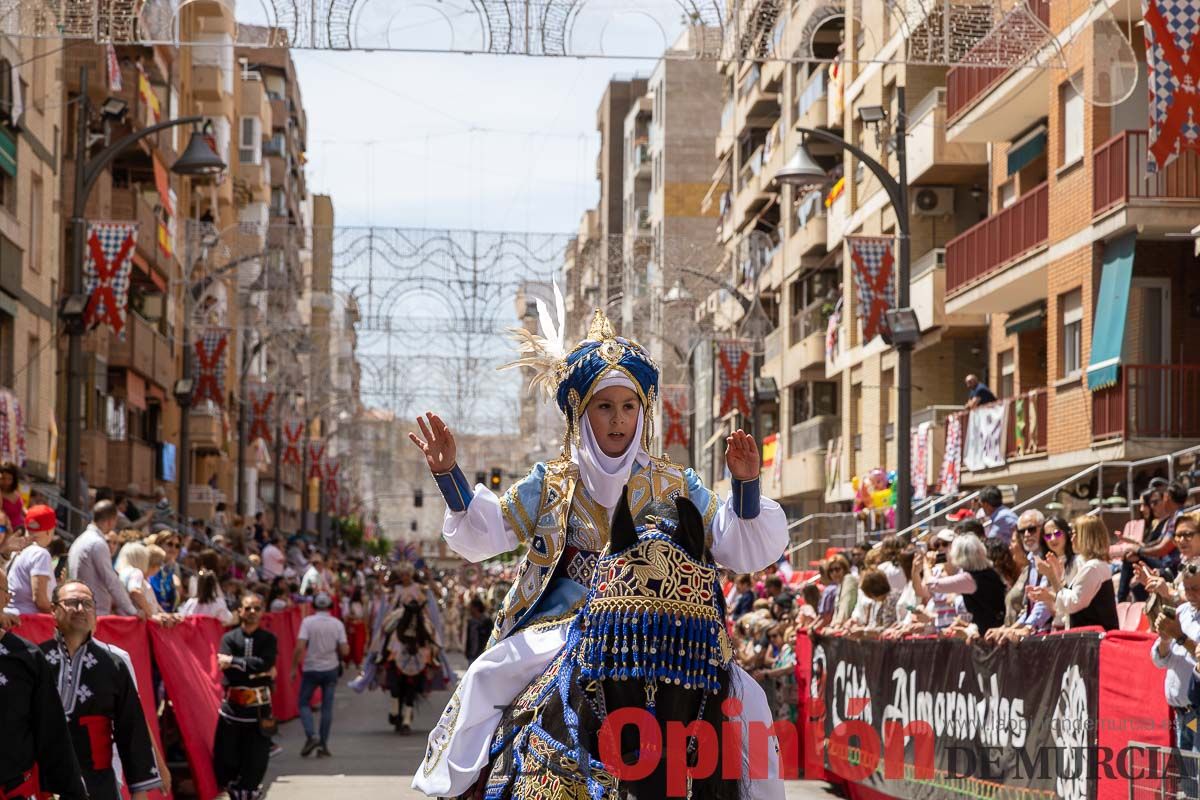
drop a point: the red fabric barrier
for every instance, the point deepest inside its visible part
(286, 697)
(187, 659)
(127, 633)
(811, 763)
(1132, 705)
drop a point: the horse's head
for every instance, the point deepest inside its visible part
(653, 632)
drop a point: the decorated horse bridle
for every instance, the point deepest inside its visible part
(652, 614)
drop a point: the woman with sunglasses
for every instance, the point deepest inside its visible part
(1087, 598)
(834, 570)
(1187, 529)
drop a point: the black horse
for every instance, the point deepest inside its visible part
(548, 744)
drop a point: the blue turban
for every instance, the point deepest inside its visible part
(601, 353)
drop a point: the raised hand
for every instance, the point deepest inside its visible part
(741, 456)
(438, 443)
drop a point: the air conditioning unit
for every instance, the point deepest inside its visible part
(933, 201)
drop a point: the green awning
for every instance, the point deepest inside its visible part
(1027, 149)
(1108, 328)
(8, 153)
(1029, 318)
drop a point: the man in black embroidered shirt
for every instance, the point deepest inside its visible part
(99, 696)
(37, 754)
(243, 746)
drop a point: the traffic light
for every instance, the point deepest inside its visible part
(496, 477)
(418, 498)
(480, 477)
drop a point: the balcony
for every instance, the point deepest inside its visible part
(980, 261)
(1154, 202)
(804, 469)
(725, 133)
(1149, 401)
(131, 462)
(757, 107)
(164, 362)
(835, 223)
(641, 159)
(208, 83)
(999, 99)
(136, 351)
(812, 103)
(810, 233)
(931, 159)
(205, 430)
(1029, 438)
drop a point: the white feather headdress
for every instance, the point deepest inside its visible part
(545, 355)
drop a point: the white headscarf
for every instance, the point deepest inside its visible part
(605, 476)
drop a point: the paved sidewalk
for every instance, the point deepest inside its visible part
(370, 760)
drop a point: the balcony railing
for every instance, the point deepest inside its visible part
(998, 240)
(814, 319)
(966, 84)
(1121, 176)
(814, 90)
(813, 434)
(1149, 401)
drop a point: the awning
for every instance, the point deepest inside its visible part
(1108, 328)
(8, 153)
(1029, 318)
(1026, 150)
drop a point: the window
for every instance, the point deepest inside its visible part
(35, 224)
(1008, 372)
(278, 202)
(33, 379)
(1071, 335)
(250, 141)
(1071, 109)
(1008, 193)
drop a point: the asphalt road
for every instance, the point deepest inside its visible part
(370, 760)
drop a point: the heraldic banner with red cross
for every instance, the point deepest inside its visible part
(735, 357)
(106, 273)
(875, 280)
(208, 369)
(1172, 31)
(293, 432)
(261, 399)
(676, 408)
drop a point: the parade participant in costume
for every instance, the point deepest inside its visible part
(39, 756)
(244, 728)
(410, 654)
(606, 387)
(99, 697)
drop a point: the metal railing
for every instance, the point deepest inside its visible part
(1162, 773)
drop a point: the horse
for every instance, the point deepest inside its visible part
(650, 635)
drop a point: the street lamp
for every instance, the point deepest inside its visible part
(194, 162)
(802, 171)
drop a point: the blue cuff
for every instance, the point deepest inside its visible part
(746, 498)
(455, 489)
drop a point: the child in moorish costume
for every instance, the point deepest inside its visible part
(606, 386)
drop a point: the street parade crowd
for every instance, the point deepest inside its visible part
(69, 704)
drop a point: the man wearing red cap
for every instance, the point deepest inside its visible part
(31, 574)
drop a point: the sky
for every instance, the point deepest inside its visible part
(455, 141)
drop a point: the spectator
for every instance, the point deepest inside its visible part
(1163, 592)
(1158, 552)
(876, 607)
(743, 600)
(1087, 599)
(774, 588)
(90, 561)
(10, 494)
(857, 556)
(273, 560)
(779, 673)
(1023, 616)
(835, 569)
(320, 646)
(978, 394)
(35, 729)
(477, 631)
(1000, 554)
(165, 582)
(133, 564)
(314, 581)
(889, 554)
(31, 574)
(260, 530)
(1175, 657)
(970, 526)
(971, 576)
(208, 600)
(807, 613)
(1134, 533)
(1001, 519)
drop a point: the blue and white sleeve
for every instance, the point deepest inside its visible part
(740, 539)
(489, 525)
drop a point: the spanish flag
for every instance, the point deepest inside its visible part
(149, 98)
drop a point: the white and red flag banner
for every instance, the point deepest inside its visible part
(209, 368)
(293, 432)
(875, 279)
(1172, 31)
(316, 457)
(676, 408)
(106, 273)
(262, 413)
(735, 357)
